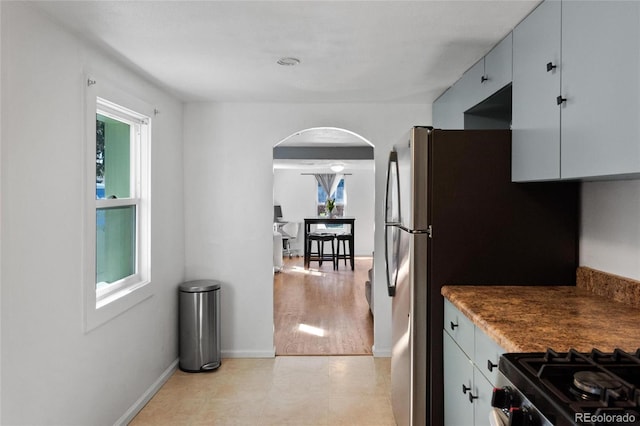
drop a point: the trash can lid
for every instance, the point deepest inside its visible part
(198, 286)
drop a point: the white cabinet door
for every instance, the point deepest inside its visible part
(601, 83)
(535, 113)
(470, 86)
(498, 66)
(448, 112)
(483, 391)
(487, 355)
(483, 79)
(459, 327)
(458, 372)
(449, 108)
(488, 75)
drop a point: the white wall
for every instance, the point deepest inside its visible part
(1, 97)
(610, 229)
(296, 193)
(229, 203)
(52, 371)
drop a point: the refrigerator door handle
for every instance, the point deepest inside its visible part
(410, 231)
(392, 200)
(391, 288)
(392, 220)
(415, 231)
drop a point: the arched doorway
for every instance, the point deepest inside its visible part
(320, 310)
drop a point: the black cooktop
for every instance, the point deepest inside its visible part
(575, 388)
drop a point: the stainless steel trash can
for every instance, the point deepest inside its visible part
(199, 312)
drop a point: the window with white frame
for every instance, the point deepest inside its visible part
(340, 197)
(118, 223)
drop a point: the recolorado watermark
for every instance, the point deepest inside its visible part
(606, 418)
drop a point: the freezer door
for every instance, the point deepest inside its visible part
(412, 166)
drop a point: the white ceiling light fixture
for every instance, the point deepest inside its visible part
(337, 168)
(288, 61)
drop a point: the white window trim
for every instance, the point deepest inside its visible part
(101, 305)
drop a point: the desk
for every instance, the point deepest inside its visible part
(308, 221)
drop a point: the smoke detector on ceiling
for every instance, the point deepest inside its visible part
(288, 61)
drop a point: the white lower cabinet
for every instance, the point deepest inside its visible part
(458, 375)
(460, 328)
(482, 405)
(486, 355)
(469, 379)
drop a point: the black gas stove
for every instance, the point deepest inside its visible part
(570, 388)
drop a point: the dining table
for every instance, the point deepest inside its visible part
(328, 220)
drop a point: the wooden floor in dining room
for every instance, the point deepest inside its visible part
(321, 311)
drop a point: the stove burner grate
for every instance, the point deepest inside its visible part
(591, 385)
(562, 384)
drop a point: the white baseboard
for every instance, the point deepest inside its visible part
(248, 354)
(147, 395)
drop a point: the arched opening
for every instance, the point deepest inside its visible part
(323, 308)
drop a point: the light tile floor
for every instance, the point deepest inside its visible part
(300, 391)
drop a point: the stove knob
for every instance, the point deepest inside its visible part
(520, 416)
(503, 398)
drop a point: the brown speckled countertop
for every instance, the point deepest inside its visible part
(533, 319)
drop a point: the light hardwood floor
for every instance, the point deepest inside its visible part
(321, 311)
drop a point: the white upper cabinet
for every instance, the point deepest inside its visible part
(471, 86)
(483, 79)
(448, 112)
(578, 117)
(498, 67)
(600, 132)
(535, 120)
(488, 75)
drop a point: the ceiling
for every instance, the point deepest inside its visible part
(349, 51)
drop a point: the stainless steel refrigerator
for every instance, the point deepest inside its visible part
(453, 216)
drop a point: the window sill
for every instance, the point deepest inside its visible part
(115, 304)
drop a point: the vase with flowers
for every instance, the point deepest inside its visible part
(330, 205)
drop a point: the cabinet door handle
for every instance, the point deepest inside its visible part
(465, 389)
(472, 397)
(560, 100)
(452, 325)
(490, 365)
(551, 67)
(484, 78)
